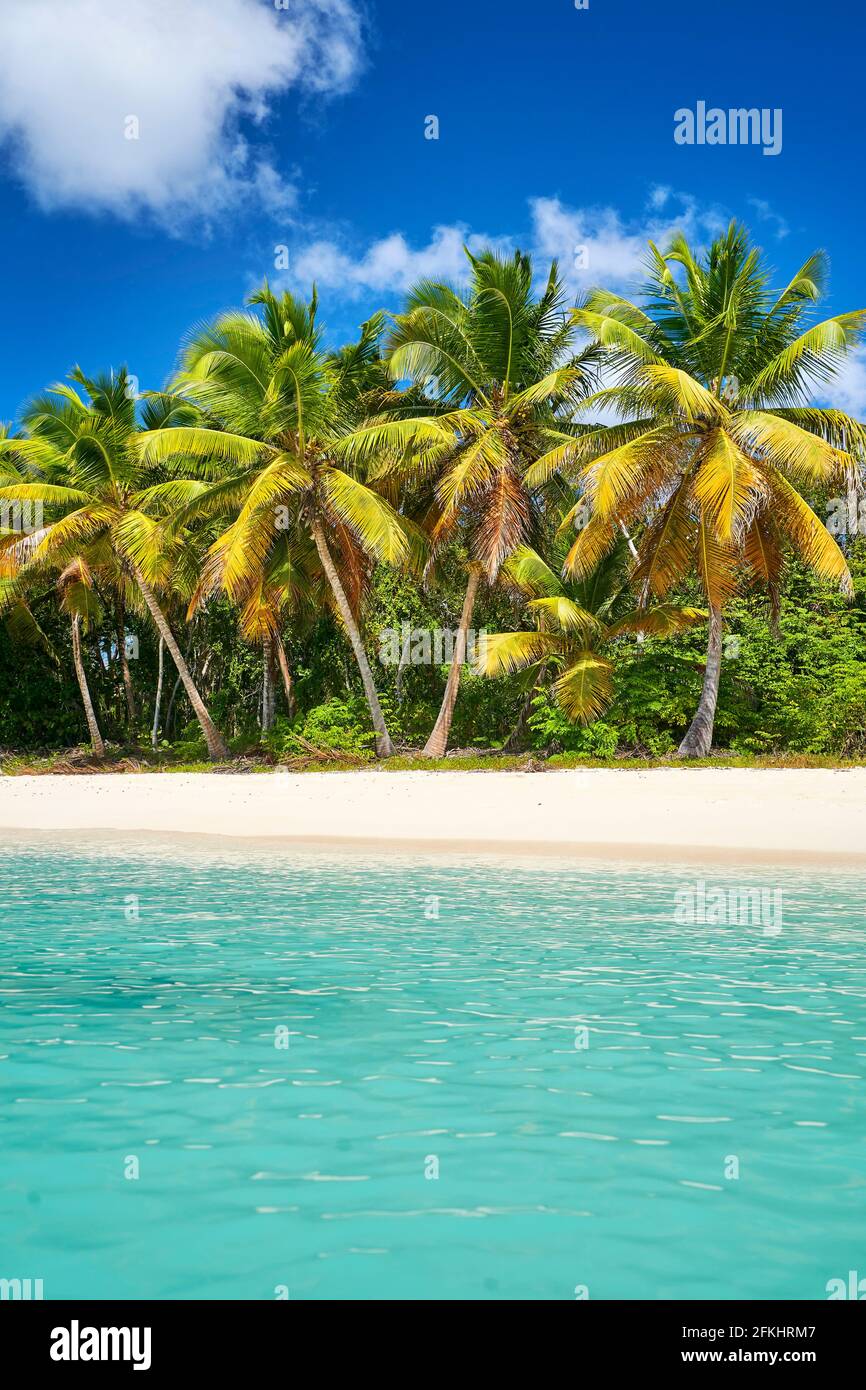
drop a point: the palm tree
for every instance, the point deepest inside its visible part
(717, 439)
(19, 589)
(278, 410)
(574, 620)
(288, 585)
(17, 551)
(499, 362)
(84, 466)
(79, 601)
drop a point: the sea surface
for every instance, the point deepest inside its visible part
(263, 1073)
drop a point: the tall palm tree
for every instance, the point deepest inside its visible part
(500, 364)
(718, 439)
(575, 619)
(84, 467)
(278, 409)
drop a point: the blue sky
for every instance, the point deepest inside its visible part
(305, 128)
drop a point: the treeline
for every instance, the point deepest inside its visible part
(798, 688)
(614, 509)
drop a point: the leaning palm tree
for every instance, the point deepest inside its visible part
(575, 620)
(718, 439)
(500, 364)
(84, 468)
(278, 409)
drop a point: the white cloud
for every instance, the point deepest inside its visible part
(592, 245)
(389, 263)
(189, 71)
(597, 246)
(847, 390)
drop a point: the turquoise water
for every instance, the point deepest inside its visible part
(585, 1073)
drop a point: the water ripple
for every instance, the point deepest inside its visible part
(546, 1084)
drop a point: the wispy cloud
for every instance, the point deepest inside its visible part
(138, 108)
(766, 213)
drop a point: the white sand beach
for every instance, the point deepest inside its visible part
(780, 815)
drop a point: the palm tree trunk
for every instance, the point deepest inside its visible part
(631, 545)
(268, 689)
(216, 746)
(169, 728)
(384, 746)
(401, 667)
(288, 684)
(95, 736)
(124, 666)
(438, 741)
(699, 739)
(158, 701)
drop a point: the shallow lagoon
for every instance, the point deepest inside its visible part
(265, 1073)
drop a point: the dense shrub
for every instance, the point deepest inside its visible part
(339, 725)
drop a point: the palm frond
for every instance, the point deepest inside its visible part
(584, 691)
(503, 653)
(727, 485)
(370, 518)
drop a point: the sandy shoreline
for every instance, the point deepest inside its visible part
(809, 815)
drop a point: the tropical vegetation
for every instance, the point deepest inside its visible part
(626, 498)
